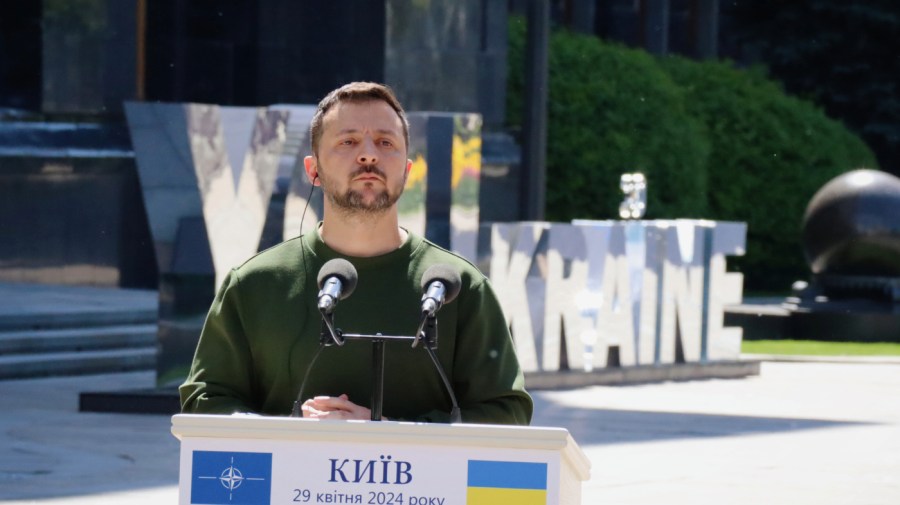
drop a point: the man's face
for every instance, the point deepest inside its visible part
(361, 161)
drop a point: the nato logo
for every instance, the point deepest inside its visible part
(231, 478)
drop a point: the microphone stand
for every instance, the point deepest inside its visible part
(331, 335)
(430, 335)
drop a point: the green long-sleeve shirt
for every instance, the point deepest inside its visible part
(263, 330)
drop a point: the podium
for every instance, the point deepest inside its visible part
(243, 460)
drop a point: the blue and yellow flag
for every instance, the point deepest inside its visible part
(506, 483)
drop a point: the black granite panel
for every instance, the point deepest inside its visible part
(88, 56)
(582, 15)
(439, 135)
(619, 20)
(432, 53)
(120, 49)
(492, 89)
(306, 49)
(73, 221)
(163, 51)
(20, 50)
(202, 51)
(500, 162)
(682, 31)
(438, 24)
(492, 65)
(336, 45)
(655, 25)
(435, 80)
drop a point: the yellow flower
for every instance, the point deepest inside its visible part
(418, 171)
(466, 158)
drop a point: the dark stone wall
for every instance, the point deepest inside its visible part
(20, 42)
(309, 48)
(246, 52)
(448, 55)
(74, 220)
(72, 208)
(88, 56)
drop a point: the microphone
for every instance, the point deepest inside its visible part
(337, 280)
(441, 284)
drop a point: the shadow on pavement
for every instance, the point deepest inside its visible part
(610, 426)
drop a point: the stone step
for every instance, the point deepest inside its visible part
(41, 306)
(39, 320)
(77, 339)
(18, 366)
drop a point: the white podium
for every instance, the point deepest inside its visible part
(243, 460)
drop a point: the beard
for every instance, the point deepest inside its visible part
(353, 201)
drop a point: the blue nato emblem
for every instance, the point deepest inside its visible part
(231, 478)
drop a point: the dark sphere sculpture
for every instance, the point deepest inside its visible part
(852, 226)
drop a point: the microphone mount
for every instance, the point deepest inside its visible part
(427, 332)
(337, 279)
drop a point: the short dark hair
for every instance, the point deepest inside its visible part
(355, 92)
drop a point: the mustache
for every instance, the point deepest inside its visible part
(368, 169)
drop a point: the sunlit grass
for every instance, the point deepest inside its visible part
(817, 348)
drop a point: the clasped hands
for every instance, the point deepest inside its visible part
(335, 407)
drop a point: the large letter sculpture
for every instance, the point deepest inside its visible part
(594, 294)
(206, 174)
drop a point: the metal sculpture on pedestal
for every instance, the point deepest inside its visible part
(635, 188)
(851, 236)
(851, 239)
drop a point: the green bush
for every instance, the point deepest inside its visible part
(714, 142)
(612, 110)
(770, 154)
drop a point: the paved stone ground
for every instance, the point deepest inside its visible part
(823, 433)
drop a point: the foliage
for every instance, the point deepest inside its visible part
(715, 142)
(770, 154)
(842, 55)
(612, 110)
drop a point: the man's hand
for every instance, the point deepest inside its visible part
(334, 407)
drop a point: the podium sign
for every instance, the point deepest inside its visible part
(243, 460)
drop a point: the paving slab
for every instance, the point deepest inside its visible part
(823, 433)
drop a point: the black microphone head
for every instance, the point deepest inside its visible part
(448, 275)
(343, 270)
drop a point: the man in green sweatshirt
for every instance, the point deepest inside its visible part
(263, 328)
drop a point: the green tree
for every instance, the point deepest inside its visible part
(612, 110)
(714, 141)
(770, 153)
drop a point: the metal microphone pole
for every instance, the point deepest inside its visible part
(377, 377)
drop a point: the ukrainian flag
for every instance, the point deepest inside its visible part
(506, 483)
